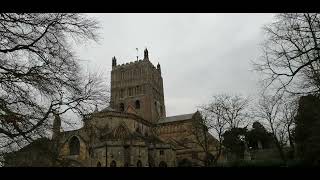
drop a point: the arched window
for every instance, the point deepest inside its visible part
(98, 164)
(139, 163)
(121, 107)
(163, 164)
(113, 164)
(137, 104)
(74, 146)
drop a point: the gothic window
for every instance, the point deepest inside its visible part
(137, 104)
(121, 107)
(163, 164)
(161, 152)
(113, 164)
(139, 163)
(161, 110)
(74, 146)
(98, 164)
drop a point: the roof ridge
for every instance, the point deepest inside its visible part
(180, 115)
(176, 118)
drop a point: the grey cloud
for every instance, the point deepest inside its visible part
(200, 54)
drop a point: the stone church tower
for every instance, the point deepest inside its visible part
(138, 87)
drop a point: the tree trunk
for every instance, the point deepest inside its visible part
(280, 150)
(218, 154)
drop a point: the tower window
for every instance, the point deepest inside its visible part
(130, 92)
(161, 152)
(121, 107)
(137, 104)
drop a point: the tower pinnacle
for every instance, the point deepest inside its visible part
(158, 67)
(146, 55)
(114, 61)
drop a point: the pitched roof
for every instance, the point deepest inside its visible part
(175, 118)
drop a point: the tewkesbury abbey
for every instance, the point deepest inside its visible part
(255, 95)
(133, 132)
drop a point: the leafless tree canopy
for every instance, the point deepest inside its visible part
(39, 72)
(291, 52)
(222, 113)
(233, 109)
(277, 113)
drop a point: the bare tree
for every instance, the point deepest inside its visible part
(291, 54)
(215, 122)
(233, 108)
(40, 74)
(269, 110)
(289, 112)
(222, 113)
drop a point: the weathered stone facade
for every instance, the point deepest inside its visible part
(140, 84)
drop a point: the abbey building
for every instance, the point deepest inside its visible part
(134, 131)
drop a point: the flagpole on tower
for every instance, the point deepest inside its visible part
(137, 53)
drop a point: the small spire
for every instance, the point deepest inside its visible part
(137, 54)
(146, 55)
(114, 61)
(158, 67)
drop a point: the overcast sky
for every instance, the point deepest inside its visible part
(200, 54)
